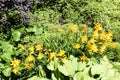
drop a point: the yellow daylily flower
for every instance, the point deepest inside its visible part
(97, 26)
(113, 45)
(63, 59)
(52, 56)
(83, 58)
(95, 34)
(102, 49)
(15, 62)
(31, 49)
(40, 56)
(84, 28)
(22, 48)
(92, 47)
(73, 28)
(28, 65)
(59, 30)
(84, 38)
(91, 41)
(76, 46)
(15, 69)
(39, 47)
(61, 53)
(30, 58)
(102, 35)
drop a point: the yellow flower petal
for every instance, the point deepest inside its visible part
(59, 30)
(113, 45)
(15, 69)
(61, 53)
(84, 38)
(15, 62)
(40, 56)
(30, 58)
(83, 58)
(22, 48)
(73, 28)
(98, 27)
(76, 46)
(39, 47)
(52, 56)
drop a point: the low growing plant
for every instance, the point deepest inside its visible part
(73, 51)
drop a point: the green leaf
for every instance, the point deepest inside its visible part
(98, 69)
(41, 71)
(63, 70)
(70, 68)
(53, 77)
(37, 78)
(26, 39)
(67, 69)
(16, 35)
(6, 57)
(53, 64)
(105, 59)
(37, 30)
(1, 66)
(75, 63)
(118, 48)
(50, 66)
(81, 76)
(110, 73)
(22, 30)
(7, 48)
(78, 76)
(81, 66)
(7, 71)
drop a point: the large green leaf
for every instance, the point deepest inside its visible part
(82, 76)
(67, 69)
(53, 64)
(1, 66)
(6, 57)
(98, 69)
(7, 47)
(37, 78)
(16, 35)
(78, 76)
(63, 70)
(39, 31)
(81, 66)
(22, 30)
(35, 29)
(111, 74)
(7, 71)
(70, 68)
(75, 63)
(26, 39)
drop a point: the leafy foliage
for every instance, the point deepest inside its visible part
(42, 44)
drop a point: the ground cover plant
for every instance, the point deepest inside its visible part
(71, 53)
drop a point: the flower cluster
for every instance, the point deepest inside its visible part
(77, 41)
